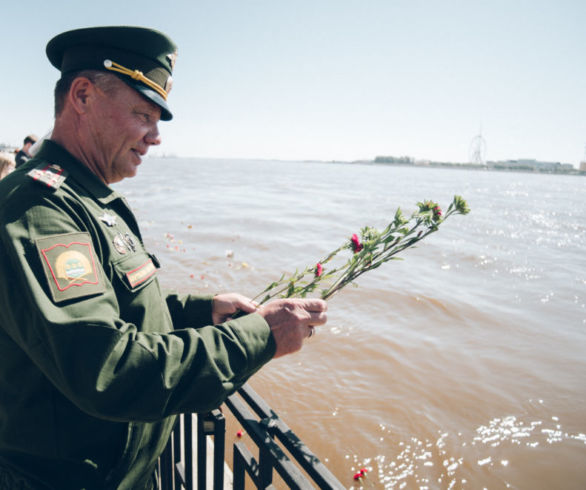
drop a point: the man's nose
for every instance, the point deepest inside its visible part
(153, 137)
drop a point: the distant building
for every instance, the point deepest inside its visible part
(583, 166)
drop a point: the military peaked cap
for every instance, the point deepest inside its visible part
(143, 58)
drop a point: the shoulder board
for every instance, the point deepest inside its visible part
(50, 174)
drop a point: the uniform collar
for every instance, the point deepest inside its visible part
(55, 153)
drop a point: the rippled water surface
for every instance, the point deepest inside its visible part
(462, 366)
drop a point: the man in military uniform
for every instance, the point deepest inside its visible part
(95, 360)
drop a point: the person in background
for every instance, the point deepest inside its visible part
(24, 153)
(96, 360)
(37, 145)
(6, 164)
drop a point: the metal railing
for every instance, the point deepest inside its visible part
(185, 464)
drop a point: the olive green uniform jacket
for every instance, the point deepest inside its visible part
(95, 360)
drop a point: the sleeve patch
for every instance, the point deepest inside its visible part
(141, 274)
(70, 266)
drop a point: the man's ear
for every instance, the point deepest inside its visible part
(81, 94)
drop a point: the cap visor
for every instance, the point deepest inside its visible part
(153, 97)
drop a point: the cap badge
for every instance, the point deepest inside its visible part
(169, 84)
(172, 57)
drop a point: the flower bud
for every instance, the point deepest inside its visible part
(356, 245)
(318, 270)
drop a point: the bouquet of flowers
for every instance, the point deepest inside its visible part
(368, 251)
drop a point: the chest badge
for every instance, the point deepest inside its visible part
(109, 219)
(120, 244)
(130, 243)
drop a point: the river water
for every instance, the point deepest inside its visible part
(461, 366)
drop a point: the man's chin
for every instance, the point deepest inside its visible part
(129, 172)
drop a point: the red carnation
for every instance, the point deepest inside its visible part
(318, 270)
(356, 245)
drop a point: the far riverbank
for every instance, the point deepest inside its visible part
(509, 166)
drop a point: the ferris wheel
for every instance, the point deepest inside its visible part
(477, 151)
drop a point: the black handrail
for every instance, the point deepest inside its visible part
(279, 449)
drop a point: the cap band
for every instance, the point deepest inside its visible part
(150, 54)
(135, 75)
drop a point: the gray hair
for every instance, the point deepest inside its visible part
(105, 81)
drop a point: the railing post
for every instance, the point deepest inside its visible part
(265, 463)
(202, 451)
(219, 449)
(211, 423)
(188, 444)
(178, 477)
(167, 465)
(279, 450)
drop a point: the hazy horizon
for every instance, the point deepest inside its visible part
(336, 80)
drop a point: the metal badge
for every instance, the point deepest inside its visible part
(172, 57)
(120, 244)
(130, 242)
(109, 219)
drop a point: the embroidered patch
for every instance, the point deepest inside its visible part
(141, 274)
(49, 174)
(70, 266)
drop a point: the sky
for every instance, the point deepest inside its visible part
(334, 79)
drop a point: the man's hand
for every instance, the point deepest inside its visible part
(292, 321)
(226, 305)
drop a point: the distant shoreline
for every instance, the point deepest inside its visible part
(563, 169)
(496, 167)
